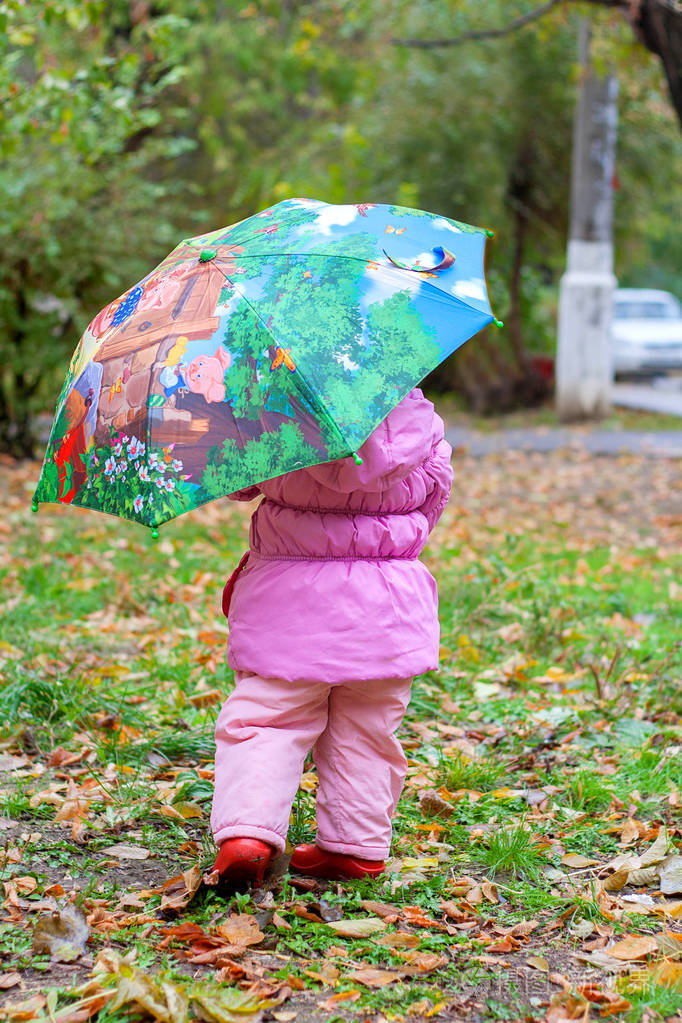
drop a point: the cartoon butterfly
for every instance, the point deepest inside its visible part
(282, 356)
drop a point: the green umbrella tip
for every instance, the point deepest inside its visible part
(489, 233)
(498, 323)
(356, 458)
(34, 506)
(207, 255)
(155, 533)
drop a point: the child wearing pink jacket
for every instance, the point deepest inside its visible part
(331, 617)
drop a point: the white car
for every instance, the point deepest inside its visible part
(646, 332)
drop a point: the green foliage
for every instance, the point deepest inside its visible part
(84, 214)
(258, 459)
(127, 126)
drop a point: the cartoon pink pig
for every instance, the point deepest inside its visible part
(206, 374)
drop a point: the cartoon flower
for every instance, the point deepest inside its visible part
(144, 474)
(170, 485)
(177, 465)
(153, 460)
(160, 482)
(109, 466)
(118, 449)
(137, 503)
(134, 448)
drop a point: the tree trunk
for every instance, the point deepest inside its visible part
(658, 23)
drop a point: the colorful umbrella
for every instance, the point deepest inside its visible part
(276, 343)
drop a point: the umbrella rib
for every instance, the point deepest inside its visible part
(308, 391)
(359, 259)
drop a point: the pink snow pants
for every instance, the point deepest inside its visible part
(263, 734)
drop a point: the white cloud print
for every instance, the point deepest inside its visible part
(441, 224)
(473, 288)
(335, 216)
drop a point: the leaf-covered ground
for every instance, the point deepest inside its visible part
(537, 861)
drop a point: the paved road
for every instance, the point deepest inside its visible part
(664, 394)
(657, 444)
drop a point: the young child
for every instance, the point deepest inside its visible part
(330, 620)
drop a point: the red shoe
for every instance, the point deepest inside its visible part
(242, 859)
(316, 862)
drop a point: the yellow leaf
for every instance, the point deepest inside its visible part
(362, 927)
(667, 974)
(188, 810)
(538, 963)
(409, 863)
(309, 781)
(576, 860)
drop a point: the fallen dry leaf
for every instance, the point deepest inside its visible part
(121, 851)
(26, 1009)
(422, 962)
(329, 1004)
(62, 933)
(328, 974)
(357, 928)
(241, 930)
(382, 909)
(398, 939)
(634, 947)
(178, 892)
(373, 977)
(667, 974)
(577, 860)
(433, 805)
(670, 873)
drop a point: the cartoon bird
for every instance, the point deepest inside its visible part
(283, 357)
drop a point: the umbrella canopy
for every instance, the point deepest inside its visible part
(276, 343)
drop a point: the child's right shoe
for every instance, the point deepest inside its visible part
(315, 862)
(242, 859)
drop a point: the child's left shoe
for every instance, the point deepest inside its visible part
(242, 859)
(316, 862)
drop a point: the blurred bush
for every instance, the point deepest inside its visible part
(127, 124)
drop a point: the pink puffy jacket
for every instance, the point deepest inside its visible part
(333, 590)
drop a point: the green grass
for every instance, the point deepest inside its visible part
(511, 852)
(559, 674)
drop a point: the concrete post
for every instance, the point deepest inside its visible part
(583, 367)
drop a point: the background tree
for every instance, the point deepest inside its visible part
(129, 125)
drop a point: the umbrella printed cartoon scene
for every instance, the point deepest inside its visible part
(276, 343)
